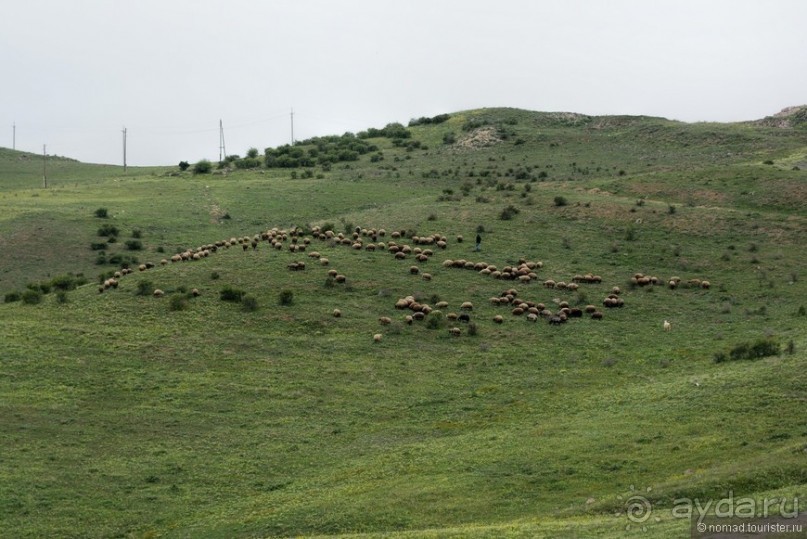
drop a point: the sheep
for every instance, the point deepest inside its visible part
(419, 316)
(141, 267)
(385, 320)
(414, 270)
(518, 311)
(332, 273)
(427, 276)
(456, 332)
(441, 304)
(464, 317)
(452, 316)
(377, 337)
(337, 313)
(459, 238)
(409, 319)
(401, 304)
(667, 325)
(324, 261)
(467, 305)
(340, 278)
(705, 284)
(498, 319)
(549, 283)
(158, 293)
(532, 317)
(596, 315)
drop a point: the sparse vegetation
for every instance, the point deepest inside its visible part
(245, 418)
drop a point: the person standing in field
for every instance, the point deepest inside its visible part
(478, 242)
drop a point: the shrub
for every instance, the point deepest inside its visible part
(228, 293)
(32, 297)
(134, 245)
(61, 297)
(202, 167)
(108, 230)
(767, 162)
(671, 209)
(756, 350)
(249, 304)
(98, 246)
(12, 297)
(144, 288)
(137, 233)
(473, 329)
(64, 282)
(286, 297)
(508, 213)
(178, 303)
(184, 165)
(101, 213)
(214, 275)
(449, 138)
(435, 321)
(560, 201)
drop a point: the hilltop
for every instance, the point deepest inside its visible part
(235, 403)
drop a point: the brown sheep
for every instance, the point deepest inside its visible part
(158, 293)
(414, 270)
(498, 319)
(455, 332)
(467, 305)
(377, 337)
(385, 320)
(337, 313)
(427, 276)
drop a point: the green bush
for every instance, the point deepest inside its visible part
(32, 297)
(202, 167)
(61, 297)
(560, 201)
(286, 297)
(228, 293)
(12, 297)
(134, 245)
(108, 230)
(178, 303)
(101, 213)
(184, 165)
(508, 213)
(249, 304)
(98, 246)
(65, 282)
(756, 350)
(144, 288)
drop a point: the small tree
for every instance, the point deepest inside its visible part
(202, 167)
(184, 165)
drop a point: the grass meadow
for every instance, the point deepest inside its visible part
(133, 416)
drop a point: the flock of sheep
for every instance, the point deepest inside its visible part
(420, 249)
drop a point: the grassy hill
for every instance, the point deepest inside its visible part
(129, 415)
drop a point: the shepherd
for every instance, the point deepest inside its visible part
(478, 242)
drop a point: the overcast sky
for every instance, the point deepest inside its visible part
(75, 72)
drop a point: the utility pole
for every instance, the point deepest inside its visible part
(45, 165)
(292, 126)
(222, 148)
(14, 136)
(124, 150)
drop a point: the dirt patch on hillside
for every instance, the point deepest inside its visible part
(480, 138)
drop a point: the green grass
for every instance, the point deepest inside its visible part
(122, 416)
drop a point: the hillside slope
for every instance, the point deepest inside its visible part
(184, 414)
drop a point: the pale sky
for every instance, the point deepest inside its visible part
(75, 72)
